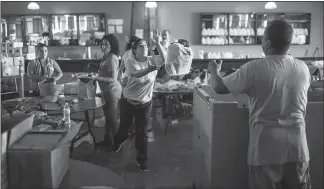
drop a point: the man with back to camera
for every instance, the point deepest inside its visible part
(277, 87)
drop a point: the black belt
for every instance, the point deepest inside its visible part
(134, 102)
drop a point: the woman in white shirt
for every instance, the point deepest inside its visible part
(137, 94)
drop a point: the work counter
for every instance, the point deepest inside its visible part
(221, 136)
(72, 66)
(80, 65)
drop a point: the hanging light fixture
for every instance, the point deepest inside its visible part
(270, 5)
(33, 6)
(151, 4)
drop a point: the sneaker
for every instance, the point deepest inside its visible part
(143, 167)
(117, 147)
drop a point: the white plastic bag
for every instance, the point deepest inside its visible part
(178, 60)
(86, 90)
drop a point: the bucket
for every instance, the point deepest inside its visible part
(48, 91)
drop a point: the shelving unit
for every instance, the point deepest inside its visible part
(248, 28)
(72, 29)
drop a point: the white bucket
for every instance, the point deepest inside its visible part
(48, 91)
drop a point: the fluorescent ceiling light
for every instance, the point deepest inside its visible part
(151, 4)
(33, 6)
(270, 5)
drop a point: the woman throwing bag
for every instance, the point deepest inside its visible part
(136, 100)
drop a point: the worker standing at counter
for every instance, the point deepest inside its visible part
(43, 68)
(277, 87)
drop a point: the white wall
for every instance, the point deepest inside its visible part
(183, 20)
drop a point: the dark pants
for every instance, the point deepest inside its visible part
(287, 176)
(111, 114)
(142, 114)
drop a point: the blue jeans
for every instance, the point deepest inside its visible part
(111, 114)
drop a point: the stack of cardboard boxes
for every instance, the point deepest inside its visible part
(11, 58)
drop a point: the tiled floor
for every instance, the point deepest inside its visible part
(170, 158)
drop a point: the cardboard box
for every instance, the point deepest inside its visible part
(10, 67)
(18, 44)
(12, 129)
(38, 160)
(4, 51)
(31, 50)
(4, 143)
(31, 56)
(18, 52)
(10, 51)
(3, 45)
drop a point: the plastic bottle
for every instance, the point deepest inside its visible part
(66, 114)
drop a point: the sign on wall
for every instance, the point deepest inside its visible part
(139, 33)
(115, 25)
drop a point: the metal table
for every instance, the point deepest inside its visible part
(83, 106)
(168, 102)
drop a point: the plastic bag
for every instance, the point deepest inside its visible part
(179, 59)
(86, 90)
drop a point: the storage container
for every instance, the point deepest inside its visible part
(314, 132)
(12, 129)
(221, 135)
(38, 160)
(48, 91)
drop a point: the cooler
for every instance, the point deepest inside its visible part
(221, 135)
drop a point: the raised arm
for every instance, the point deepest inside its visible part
(160, 59)
(239, 82)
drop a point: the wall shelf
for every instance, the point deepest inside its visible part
(65, 30)
(250, 26)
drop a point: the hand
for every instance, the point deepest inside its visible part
(153, 68)
(215, 66)
(93, 76)
(51, 80)
(156, 37)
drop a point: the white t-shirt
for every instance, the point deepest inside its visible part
(128, 54)
(140, 89)
(277, 87)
